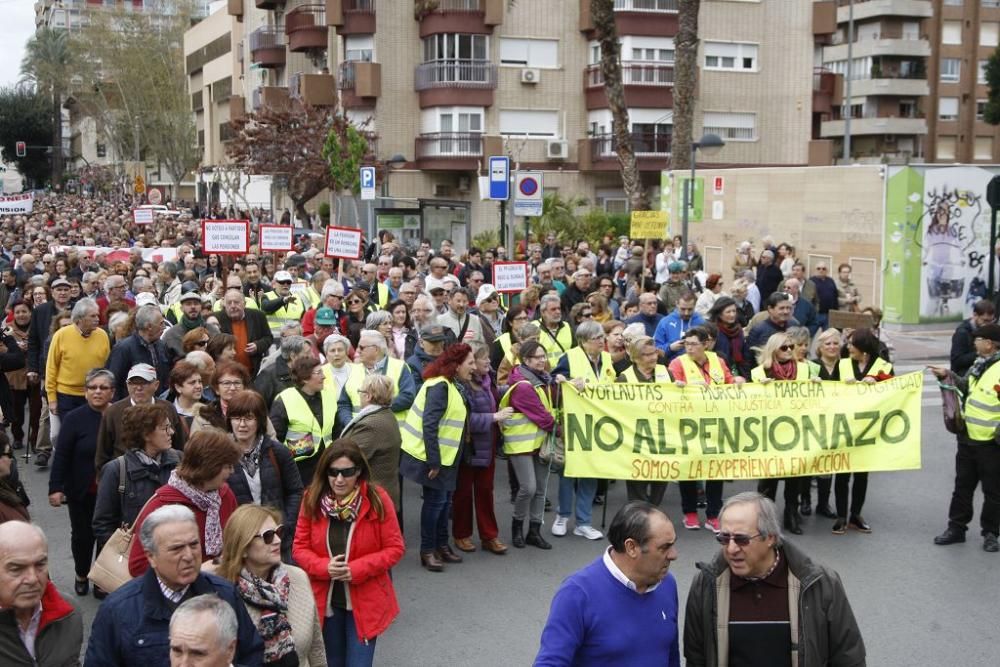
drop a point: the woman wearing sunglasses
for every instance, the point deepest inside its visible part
(277, 596)
(347, 539)
(357, 313)
(777, 362)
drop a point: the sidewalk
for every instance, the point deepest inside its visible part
(921, 345)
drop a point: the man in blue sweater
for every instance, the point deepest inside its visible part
(622, 608)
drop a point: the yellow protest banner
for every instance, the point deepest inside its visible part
(660, 432)
(648, 225)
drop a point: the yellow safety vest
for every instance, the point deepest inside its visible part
(660, 374)
(393, 370)
(450, 428)
(175, 308)
(330, 385)
(846, 368)
(506, 343)
(305, 436)
(580, 366)
(693, 374)
(982, 407)
(383, 296)
(251, 304)
(520, 434)
(801, 372)
(290, 312)
(558, 345)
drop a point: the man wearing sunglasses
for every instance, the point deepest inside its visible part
(779, 607)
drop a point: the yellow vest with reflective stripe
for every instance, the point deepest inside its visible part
(982, 408)
(520, 434)
(383, 296)
(580, 366)
(450, 429)
(846, 368)
(176, 309)
(557, 346)
(506, 343)
(801, 372)
(305, 435)
(330, 385)
(692, 370)
(393, 370)
(660, 374)
(290, 312)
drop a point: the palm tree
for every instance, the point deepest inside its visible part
(46, 63)
(685, 83)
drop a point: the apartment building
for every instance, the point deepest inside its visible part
(446, 84)
(74, 14)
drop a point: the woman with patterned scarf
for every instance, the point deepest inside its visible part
(277, 596)
(347, 539)
(198, 483)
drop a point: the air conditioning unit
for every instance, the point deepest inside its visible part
(557, 150)
(530, 75)
(442, 190)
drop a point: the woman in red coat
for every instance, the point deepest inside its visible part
(199, 483)
(347, 517)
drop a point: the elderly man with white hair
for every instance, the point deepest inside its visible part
(203, 633)
(132, 625)
(145, 346)
(373, 358)
(332, 297)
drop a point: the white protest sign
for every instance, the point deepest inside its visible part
(143, 216)
(275, 238)
(225, 237)
(14, 204)
(510, 276)
(343, 242)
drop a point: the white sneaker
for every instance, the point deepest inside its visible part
(559, 526)
(589, 532)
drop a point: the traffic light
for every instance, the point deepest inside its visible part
(21, 149)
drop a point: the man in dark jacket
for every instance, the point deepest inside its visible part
(779, 318)
(577, 291)
(826, 293)
(769, 276)
(53, 637)
(191, 318)
(142, 347)
(132, 624)
(748, 586)
(278, 377)
(963, 352)
(253, 335)
(38, 333)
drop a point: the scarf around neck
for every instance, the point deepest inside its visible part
(981, 363)
(271, 598)
(191, 324)
(536, 379)
(208, 502)
(784, 370)
(734, 333)
(342, 510)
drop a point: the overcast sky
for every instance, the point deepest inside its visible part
(16, 26)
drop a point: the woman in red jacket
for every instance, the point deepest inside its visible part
(346, 540)
(199, 483)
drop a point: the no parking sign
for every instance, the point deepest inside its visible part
(528, 193)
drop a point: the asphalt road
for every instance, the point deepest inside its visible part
(916, 603)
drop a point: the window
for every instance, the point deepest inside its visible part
(989, 34)
(981, 72)
(980, 109)
(359, 48)
(615, 205)
(954, 3)
(731, 126)
(983, 149)
(529, 52)
(950, 69)
(455, 47)
(731, 56)
(951, 32)
(948, 108)
(457, 129)
(529, 123)
(651, 137)
(946, 148)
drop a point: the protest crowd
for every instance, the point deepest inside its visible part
(253, 419)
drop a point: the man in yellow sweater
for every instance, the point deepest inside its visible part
(73, 352)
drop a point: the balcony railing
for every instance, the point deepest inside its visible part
(449, 144)
(459, 6)
(646, 6)
(456, 74)
(604, 146)
(360, 6)
(305, 17)
(634, 73)
(266, 37)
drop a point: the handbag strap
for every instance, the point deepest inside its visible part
(121, 475)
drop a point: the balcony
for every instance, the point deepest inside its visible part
(274, 98)
(455, 82)
(267, 46)
(460, 16)
(315, 90)
(454, 151)
(904, 45)
(824, 18)
(351, 17)
(648, 85)
(360, 83)
(903, 87)
(868, 9)
(598, 153)
(306, 28)
(235, 8)
(827, 87)
(869, 126)
(269, 4)
(648, 18)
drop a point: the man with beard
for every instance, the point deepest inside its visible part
(191, 318)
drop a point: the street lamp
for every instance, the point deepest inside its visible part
(710, 144)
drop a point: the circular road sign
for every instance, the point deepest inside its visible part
(528, 186)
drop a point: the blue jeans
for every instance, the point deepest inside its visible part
(586, 489)
(434, 519)
(340, 638)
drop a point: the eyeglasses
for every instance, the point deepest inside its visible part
(346, 473)
(354, 302)
(586, 315)
(243, 419)
(7, 452)
(786, 348)
(740, 540)
(99, 387)
(166, 428)
(231, 384)
(269, 535)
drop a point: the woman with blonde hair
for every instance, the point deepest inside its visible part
(277, 596)
(599, 307)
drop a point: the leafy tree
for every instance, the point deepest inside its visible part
(345, 150)
(46, 64)
(26, 115)
(685, 81)
(992, 113)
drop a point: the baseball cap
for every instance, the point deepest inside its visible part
(326, 317)
(145, 299)
(142, 371)
(989, 332)
(282, 277)
(61, 282)
(486, 290)
(433, 333)
(190, 296)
